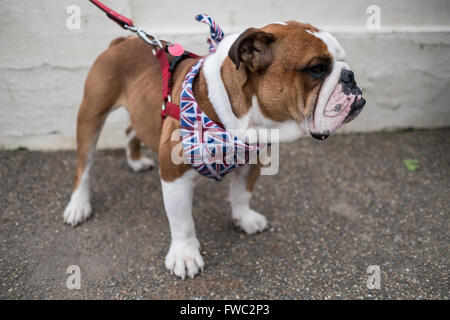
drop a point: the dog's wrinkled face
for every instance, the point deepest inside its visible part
(299, 73)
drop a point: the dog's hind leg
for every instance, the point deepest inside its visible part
(89, 126)
(135, 159)
(241, 186)
(101, 95)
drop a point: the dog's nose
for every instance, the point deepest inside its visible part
(347, 76)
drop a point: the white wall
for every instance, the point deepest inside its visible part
(404, 68)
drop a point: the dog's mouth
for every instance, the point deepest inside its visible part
(343, 105)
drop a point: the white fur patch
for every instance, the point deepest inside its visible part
(142, 164)
(277, 22)
(79, 208)
(184, 256)
(288, 130)
(333, 45)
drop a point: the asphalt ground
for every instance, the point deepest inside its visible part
(335, 208)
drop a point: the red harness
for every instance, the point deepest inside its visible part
(169, 108)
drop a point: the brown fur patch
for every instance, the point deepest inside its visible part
(117, 41)
(168, 170)
(239, 94)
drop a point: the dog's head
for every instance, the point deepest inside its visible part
(299, 72)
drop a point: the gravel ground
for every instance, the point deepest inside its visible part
(335, 208)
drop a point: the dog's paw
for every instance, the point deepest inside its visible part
(142, 164)
(184, 258)
(250, 221)
(78, 210)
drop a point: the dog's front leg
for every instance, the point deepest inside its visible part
(241, 188)
(184, 257)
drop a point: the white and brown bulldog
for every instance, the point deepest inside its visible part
(286, 76)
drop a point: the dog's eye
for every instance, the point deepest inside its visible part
(317, 71)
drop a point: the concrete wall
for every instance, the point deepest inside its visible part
(403, 68)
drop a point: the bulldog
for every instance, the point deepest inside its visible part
(287, 76)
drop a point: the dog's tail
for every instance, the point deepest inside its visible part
(117, 41)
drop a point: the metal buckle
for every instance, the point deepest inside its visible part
(131, 28)
(151, 39)
(169, 99)
(148, 38)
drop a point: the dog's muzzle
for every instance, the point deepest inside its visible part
(343, 105)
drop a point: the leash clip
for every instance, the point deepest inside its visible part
(149, 38)
(131, 28)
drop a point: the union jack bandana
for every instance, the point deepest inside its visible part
(208, 147)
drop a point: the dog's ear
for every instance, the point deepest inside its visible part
(253, 48)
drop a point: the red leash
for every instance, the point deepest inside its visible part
(173, 48)
(176, 50)
(122, 21)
